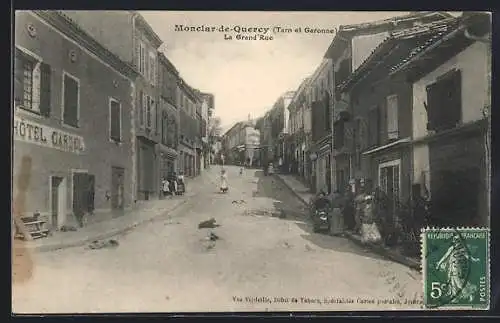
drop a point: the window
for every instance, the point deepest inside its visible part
(115, 120)
(142, 58)
(142, 107)
(71, 98)
(444, 102)
(149, 112)
(164, 127)
(392, 117)
(152, 68)
(32, 85)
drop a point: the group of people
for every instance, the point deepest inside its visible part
(350, 212)
(173, 184)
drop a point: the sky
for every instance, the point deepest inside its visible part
(248, 76)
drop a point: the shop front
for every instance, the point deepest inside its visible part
(168, 160)
(146, 169)
(48, 177)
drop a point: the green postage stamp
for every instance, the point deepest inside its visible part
(456, 268)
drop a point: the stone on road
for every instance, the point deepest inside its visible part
(259, 261)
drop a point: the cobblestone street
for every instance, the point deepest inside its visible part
(261, 261)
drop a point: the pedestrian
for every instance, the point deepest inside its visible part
(348, 209)
(172, 183)
(336, 218)
(223, 181)
(164, 187)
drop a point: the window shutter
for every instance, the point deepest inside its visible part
(18, 79)
(392, 117)
(70, 101)
(45, 83)
(138, 53)
(143, 59)
(433, 105)
(153, 113)
(147, 112)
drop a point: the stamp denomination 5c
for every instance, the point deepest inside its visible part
(456, 268)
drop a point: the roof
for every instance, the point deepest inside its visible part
(62, 22)
(348, 31)
(318, 70)
(164, 59)
(423, 35)
(303, 85)
(454, 38)
(149, 30)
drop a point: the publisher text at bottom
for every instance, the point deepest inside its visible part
(325, 300)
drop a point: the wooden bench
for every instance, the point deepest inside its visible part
(36, 226)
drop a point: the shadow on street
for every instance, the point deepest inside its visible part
(285, 203)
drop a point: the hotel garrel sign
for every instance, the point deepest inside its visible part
(32, 132)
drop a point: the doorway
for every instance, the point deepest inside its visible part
(117, 188)
(83, 195)
(389, 182)
(58, 201)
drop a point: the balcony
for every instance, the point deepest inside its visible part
(341, 111)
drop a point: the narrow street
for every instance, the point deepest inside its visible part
(169, 266)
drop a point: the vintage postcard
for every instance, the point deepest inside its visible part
(168, 161)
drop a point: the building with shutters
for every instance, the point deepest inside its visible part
(72, 122)
(127, 34)
(451, 82)
(207, 108)
(188, 101)
(321, 126)
(351, 46)
(381, 115)
(300, 130)
(242, 144)
(168, 116)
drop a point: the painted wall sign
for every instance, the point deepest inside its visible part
(42, 135)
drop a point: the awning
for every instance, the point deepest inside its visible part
(390, 145)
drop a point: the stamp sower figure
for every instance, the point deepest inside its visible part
(456, 262)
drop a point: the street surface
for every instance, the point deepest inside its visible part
(261, 262)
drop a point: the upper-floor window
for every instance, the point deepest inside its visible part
(444, 102)
(392, 117)
(151, 73)
(32, 85)
(115, 120)
(141, 56)
(71, 100)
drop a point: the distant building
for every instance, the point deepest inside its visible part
(168, 116)
(276, 129)
(300, 129)
(242, 144)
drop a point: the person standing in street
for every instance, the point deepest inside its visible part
(223, 181)
(348, 209)
(164, 187)
(336, 219)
